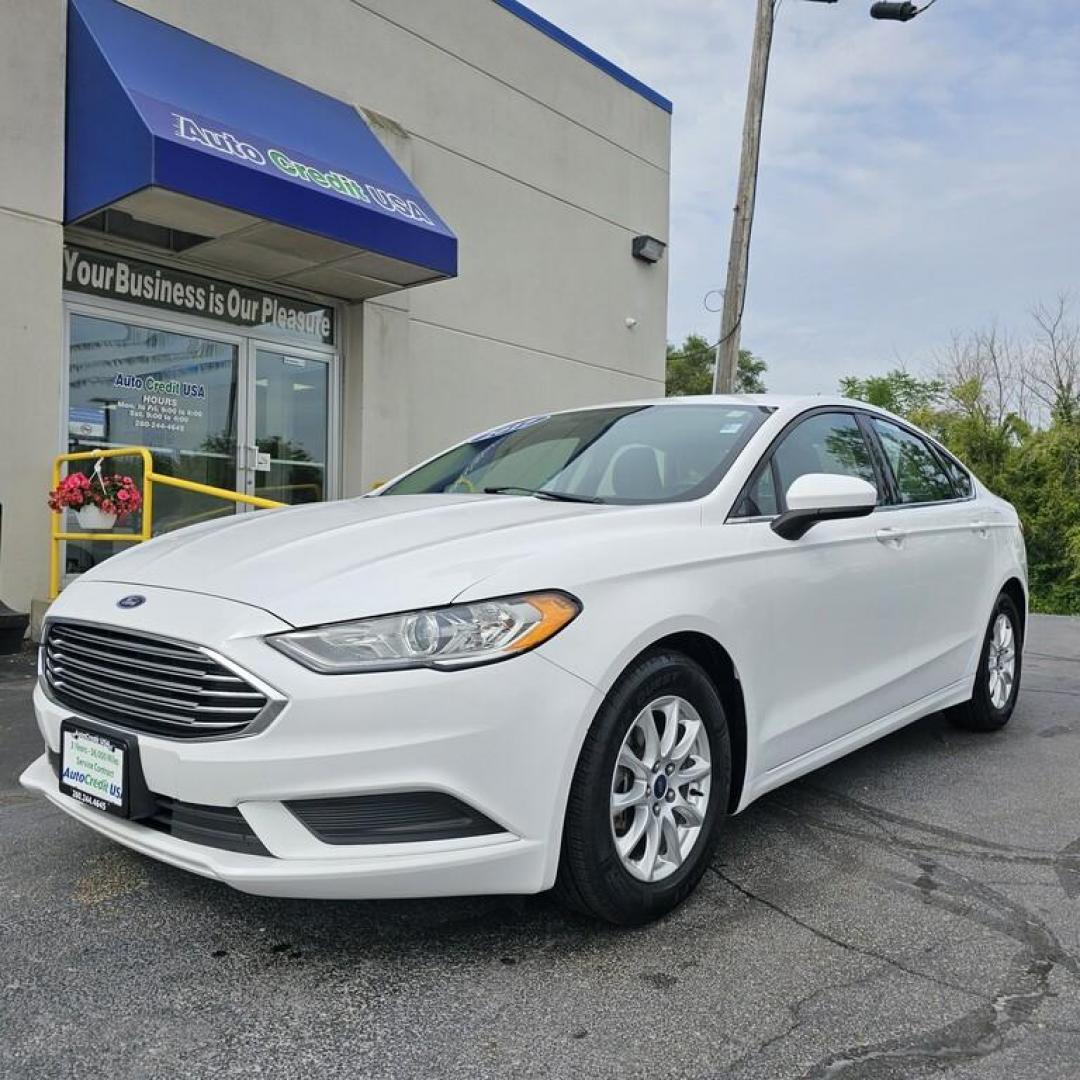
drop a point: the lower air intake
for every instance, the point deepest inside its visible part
(401, 818)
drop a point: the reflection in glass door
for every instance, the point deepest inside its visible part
(288, 461)
(219, 409)
(178, 394)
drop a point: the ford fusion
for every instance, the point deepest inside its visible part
(559, 654)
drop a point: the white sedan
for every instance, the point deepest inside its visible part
(559, 654)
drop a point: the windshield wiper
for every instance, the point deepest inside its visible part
(542, 493)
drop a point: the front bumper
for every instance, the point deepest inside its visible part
(503, 739)
(491, 865)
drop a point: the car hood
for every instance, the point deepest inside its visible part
(344, 560)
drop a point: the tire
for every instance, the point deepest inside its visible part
(593, 876)
(991, 707)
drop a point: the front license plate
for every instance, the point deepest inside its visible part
(93, 769)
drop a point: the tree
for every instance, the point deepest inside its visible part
(749, 376)
(985, 375)
(1042, 480)
(898, 391)
(1053, 371)
(690, 369)
(968, 406)
(984, 418)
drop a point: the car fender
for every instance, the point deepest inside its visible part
(643, 639)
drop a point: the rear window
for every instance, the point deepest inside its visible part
(960, 477)
(920, 476)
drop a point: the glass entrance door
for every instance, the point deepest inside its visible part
(288, 457)
(176, 393)
(224, 410)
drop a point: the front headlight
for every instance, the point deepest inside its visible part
(449, 637)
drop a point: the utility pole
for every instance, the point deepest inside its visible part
(727, 349)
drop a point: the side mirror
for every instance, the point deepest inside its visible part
(823, 497)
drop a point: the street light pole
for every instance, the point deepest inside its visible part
(727, 348)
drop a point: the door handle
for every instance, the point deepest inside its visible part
(981, 528)
(890, 537)
(255, 460)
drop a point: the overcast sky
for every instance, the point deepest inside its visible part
(916, 178)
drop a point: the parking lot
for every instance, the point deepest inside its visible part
(911, 910)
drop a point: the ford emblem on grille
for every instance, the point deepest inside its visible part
(131, 601)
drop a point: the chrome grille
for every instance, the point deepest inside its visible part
(145, 683)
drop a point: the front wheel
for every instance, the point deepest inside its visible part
(648, 794)
(997, 682)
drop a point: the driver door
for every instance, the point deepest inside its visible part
(831, 664)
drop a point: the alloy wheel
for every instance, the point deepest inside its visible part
(1001, 661)
(660, 788)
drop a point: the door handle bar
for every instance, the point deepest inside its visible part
(890, 537)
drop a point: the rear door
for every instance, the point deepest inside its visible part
(949, 555)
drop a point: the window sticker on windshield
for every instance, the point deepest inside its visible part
(507, 429)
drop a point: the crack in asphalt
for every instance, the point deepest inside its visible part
(1067, 868)
(796, 1010)
(952, 887)
(982, 1029)
(1065, 863)
(977, 1034)
(850, 946)
(877, 815)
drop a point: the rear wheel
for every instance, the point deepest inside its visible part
(997, 681)
(648, 794)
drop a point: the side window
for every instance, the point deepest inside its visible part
(760, 499)
(920, 478)
(960, 478)
(825, 443)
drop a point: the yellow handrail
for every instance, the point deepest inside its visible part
(277, 489)
(150, 478)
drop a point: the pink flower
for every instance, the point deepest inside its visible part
(115, 494)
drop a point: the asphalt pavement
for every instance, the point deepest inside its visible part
(912, 911)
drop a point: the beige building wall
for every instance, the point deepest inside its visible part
(31, 323)
(544, 166)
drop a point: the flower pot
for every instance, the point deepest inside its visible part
(93, 517)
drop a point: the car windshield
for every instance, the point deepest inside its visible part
(624, 454)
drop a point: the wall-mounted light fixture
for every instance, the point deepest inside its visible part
(649, 249)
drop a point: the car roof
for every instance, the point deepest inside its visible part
(790, 404)
(784, 406)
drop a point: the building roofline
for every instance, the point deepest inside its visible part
(538, 22)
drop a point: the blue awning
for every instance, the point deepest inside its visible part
(282, 180)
